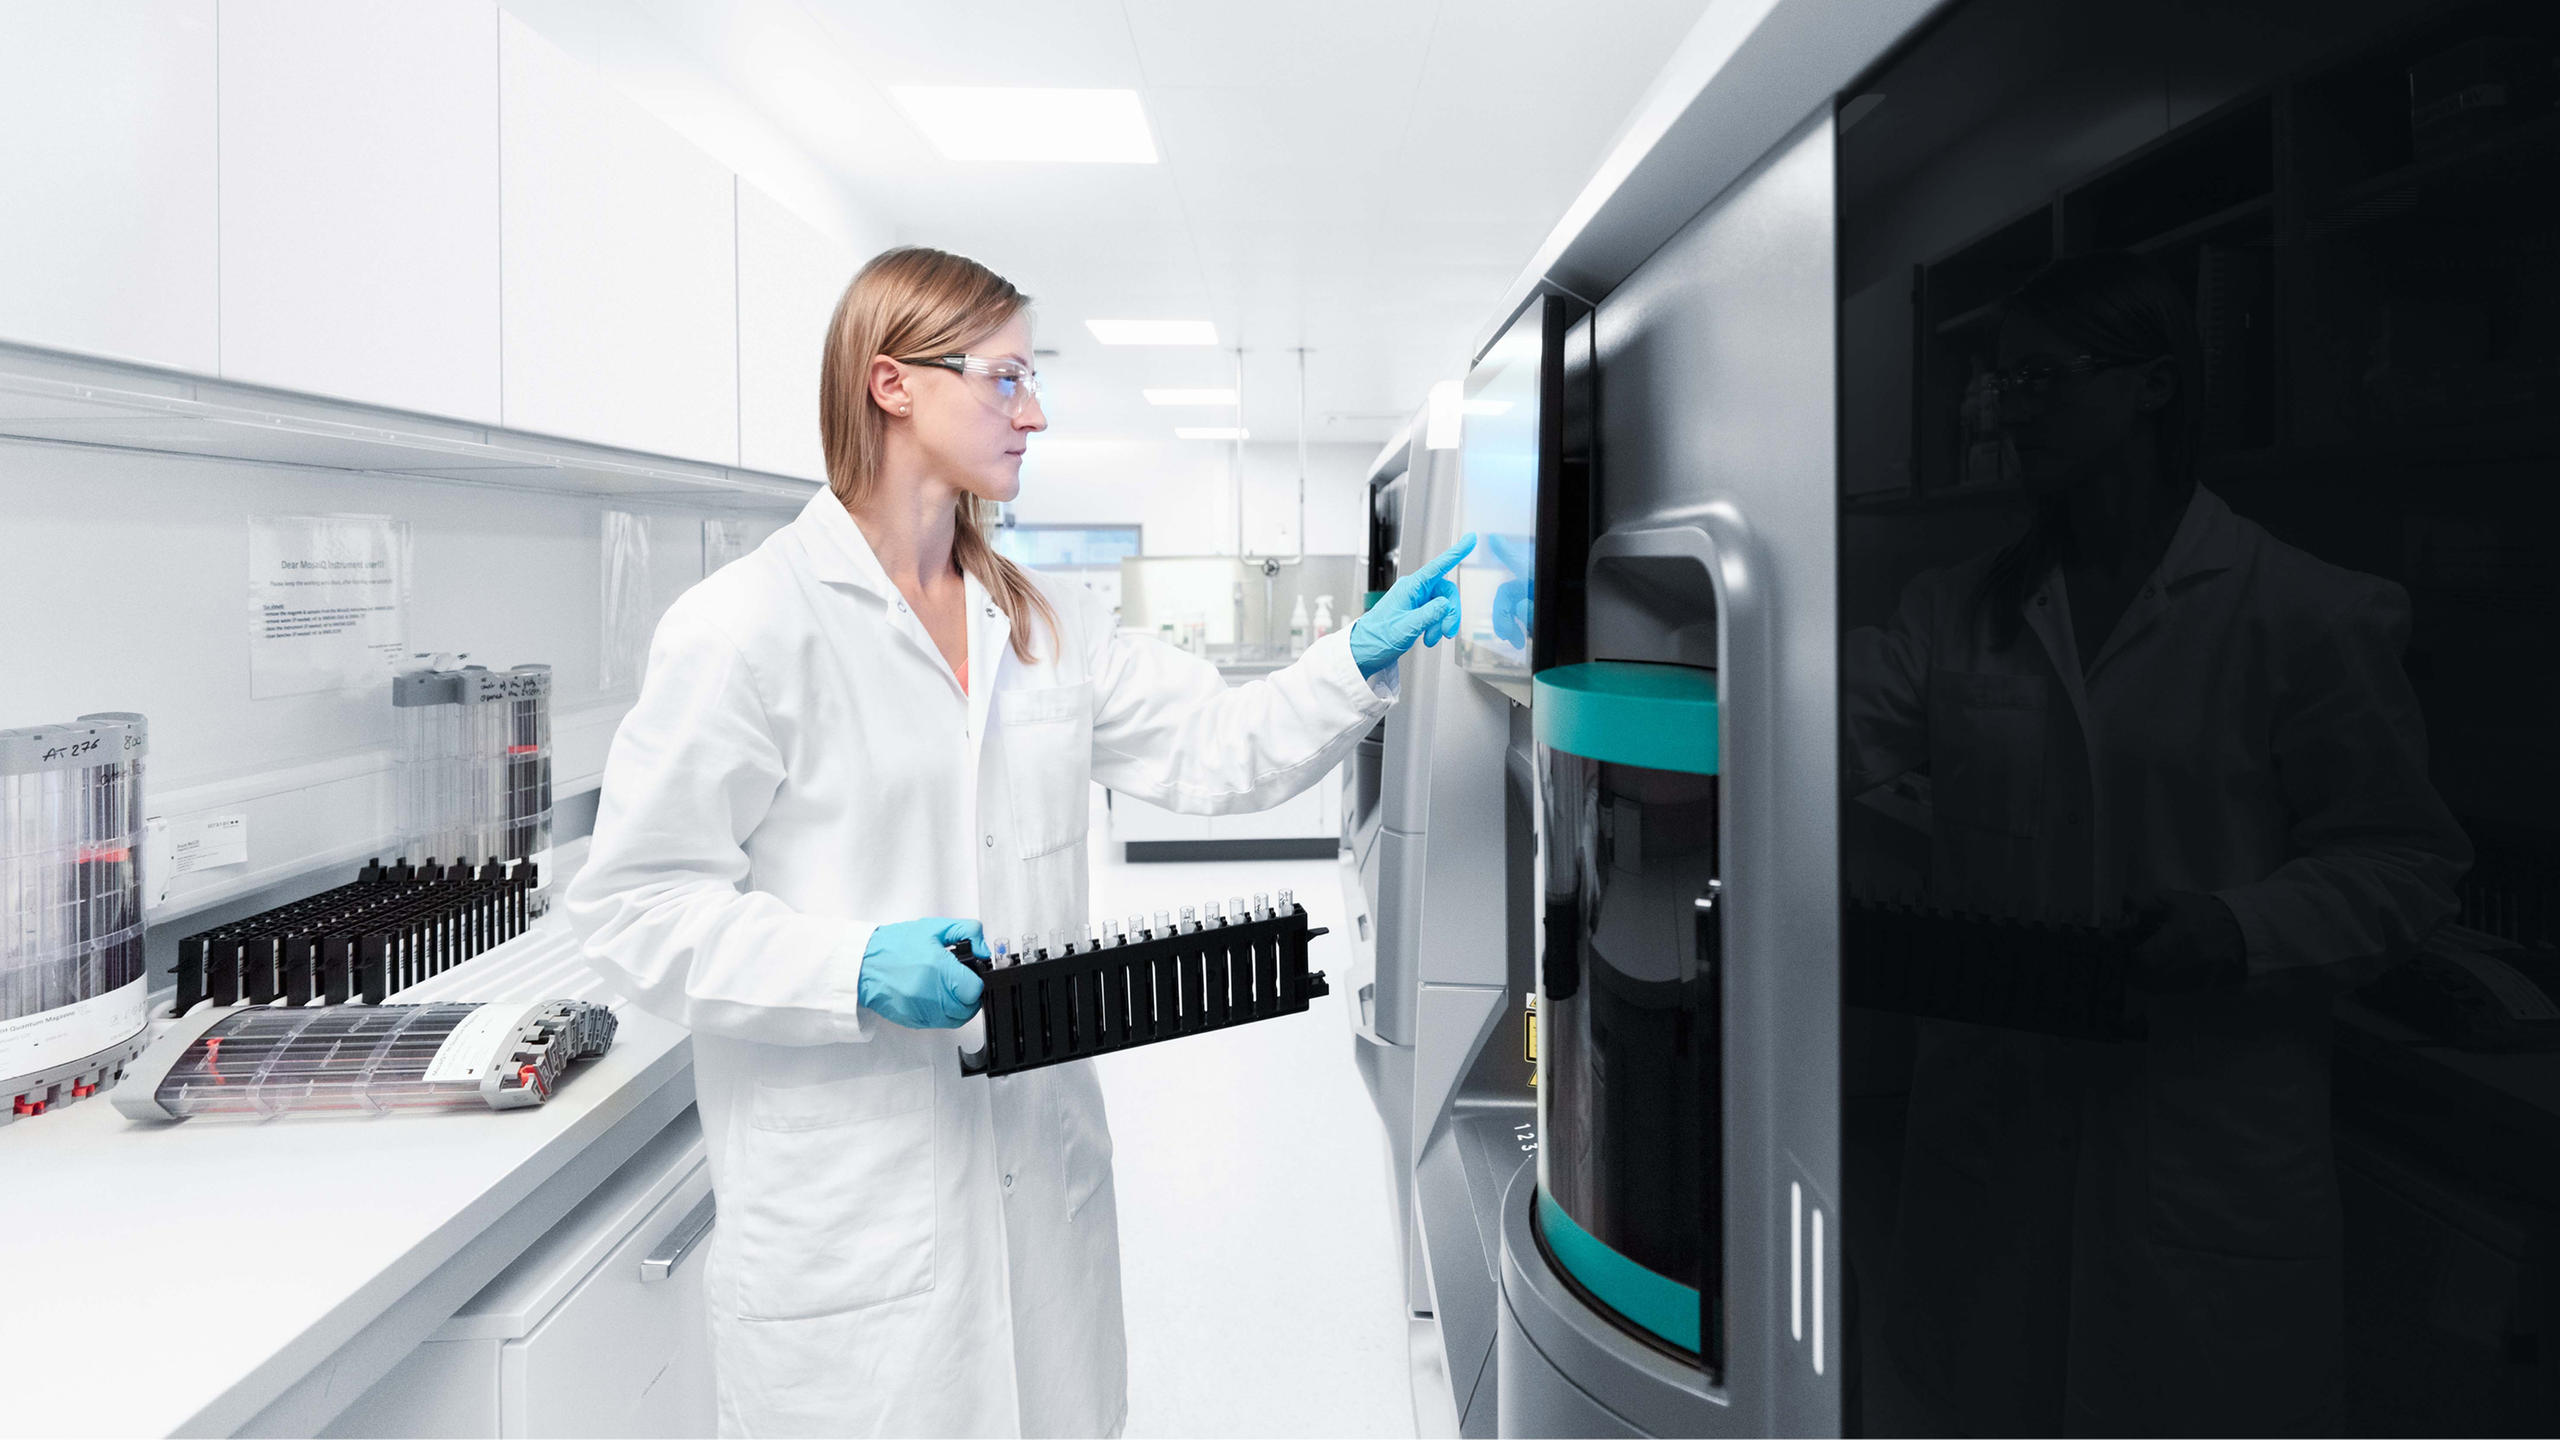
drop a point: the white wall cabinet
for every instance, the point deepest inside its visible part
(789, 279)
(107, 180)
(619, 254)
(417, 204)
(359, 144)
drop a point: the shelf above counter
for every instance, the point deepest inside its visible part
(51, 398)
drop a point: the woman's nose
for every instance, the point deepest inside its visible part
(1032, 417)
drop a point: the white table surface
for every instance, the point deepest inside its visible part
(179, 1277)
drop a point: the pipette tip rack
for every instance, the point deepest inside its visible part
(1121, 986)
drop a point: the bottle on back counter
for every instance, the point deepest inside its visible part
(1324, 618)
(1298, 627)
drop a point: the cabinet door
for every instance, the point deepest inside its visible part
(621, 1355)
(619, 254)
(789, 279)
(107, 206)
(360, 200)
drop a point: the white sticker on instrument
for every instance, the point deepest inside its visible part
(477, 1046)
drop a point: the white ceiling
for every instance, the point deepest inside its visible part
(1358, 177)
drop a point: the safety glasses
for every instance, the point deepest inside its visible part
(2037, 384)
(1016, 385)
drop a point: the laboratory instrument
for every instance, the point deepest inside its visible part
(394, 925)
(1214, 968)
(475, 763)
(2043, 976)
(1629, 1206)
(1443, 1028)
(72, 972)
(267, 1061)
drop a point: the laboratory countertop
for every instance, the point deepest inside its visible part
(182, 1277)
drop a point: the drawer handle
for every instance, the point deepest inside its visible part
(661, 1263)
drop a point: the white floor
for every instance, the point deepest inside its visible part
(1257, 1226)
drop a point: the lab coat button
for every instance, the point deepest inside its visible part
(1008, 1182)
(991, 842)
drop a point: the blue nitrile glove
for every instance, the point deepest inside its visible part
(1423, 606)
(909, 975)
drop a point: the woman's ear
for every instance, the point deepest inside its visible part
(889, 386)
(2155, 384)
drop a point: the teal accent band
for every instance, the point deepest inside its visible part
(1662, 717)
(1655, 1301)
(1370, 601)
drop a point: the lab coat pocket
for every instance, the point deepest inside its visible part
(1084, 1135)
(835, 1209)
(1986, 749)
(1048, 751)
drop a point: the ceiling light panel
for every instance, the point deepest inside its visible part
(1000, 123)
(1191, 397)
(1153, 332)
(1210, 432)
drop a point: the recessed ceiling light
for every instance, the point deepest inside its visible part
(974, 122)
(1153, 332)
(1191, 397)
(1210, 432)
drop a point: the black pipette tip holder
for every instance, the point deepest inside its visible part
(1092, 999)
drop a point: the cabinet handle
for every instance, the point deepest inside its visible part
(661, 1263)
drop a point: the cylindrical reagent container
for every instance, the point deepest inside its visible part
(72, 969)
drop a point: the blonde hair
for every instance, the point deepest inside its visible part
(916, 301)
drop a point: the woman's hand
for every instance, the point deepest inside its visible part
(1423, 606)
(908, 974)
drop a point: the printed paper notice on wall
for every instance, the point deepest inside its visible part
(328, 602)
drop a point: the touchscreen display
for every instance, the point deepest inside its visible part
(1498, 471)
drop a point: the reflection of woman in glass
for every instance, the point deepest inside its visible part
(2146, 707)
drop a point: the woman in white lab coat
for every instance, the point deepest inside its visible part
(2148, 707)
(852, 746)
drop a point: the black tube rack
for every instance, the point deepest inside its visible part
(394, 926)
(2013, 974)
(1123, 988)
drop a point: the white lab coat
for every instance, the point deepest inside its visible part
(2144, 1239)
(901, 1250)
